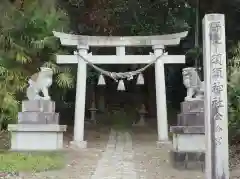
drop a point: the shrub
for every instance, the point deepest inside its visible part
(27, 43)
(234, 94)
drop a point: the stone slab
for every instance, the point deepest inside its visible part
(38, 106)
(191, 119)
(38, 118)
(36, 140)
(30, 137)
(188, 160)
(188, 142)
(188, 106)
(37, 127)
(187, 129)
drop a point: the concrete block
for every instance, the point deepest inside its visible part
(38, 118)
(189, 142)
(30, 137)
(191, 119)
(188, 160)
(38, 106)
(187, 129)
(188, 106)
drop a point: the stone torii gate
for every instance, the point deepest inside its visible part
(83, 42)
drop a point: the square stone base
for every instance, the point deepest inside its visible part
(188, 160)
(38, 118)
(30, 137)
(38, 106)
(187, 106)
(78, 144)
(189, 142)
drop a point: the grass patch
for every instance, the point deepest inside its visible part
(27, 161)
(31, 162)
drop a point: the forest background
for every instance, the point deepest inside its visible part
(27, 42)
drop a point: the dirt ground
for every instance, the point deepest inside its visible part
(152, 162)
(149, 162)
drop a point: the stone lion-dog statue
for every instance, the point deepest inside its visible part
(40, 82)
(195, 87)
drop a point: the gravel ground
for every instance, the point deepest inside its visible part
(147, 161)
(153, 163)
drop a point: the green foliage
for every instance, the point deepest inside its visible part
(159, 17)
(234, 94)
(133, 17)
(194, 53)
(26, 43)
(122, 118)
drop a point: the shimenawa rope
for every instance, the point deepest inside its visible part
(120, 75)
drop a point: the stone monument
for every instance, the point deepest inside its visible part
(195, 87)
(188, 136)
(142, 113)
(38, 124)
(216, 102)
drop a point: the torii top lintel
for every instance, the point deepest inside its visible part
(75, 40)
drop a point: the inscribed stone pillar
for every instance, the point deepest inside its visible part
(161, 96)
(216, 108)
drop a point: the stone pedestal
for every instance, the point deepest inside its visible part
(189, 136)
(38, 127)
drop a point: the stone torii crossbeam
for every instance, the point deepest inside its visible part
(84, 42)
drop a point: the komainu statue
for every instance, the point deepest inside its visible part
(195, 87)
(40, 82)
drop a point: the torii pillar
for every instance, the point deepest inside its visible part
(78, 136)
(161, 101)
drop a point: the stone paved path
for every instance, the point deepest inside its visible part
(117, 160)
